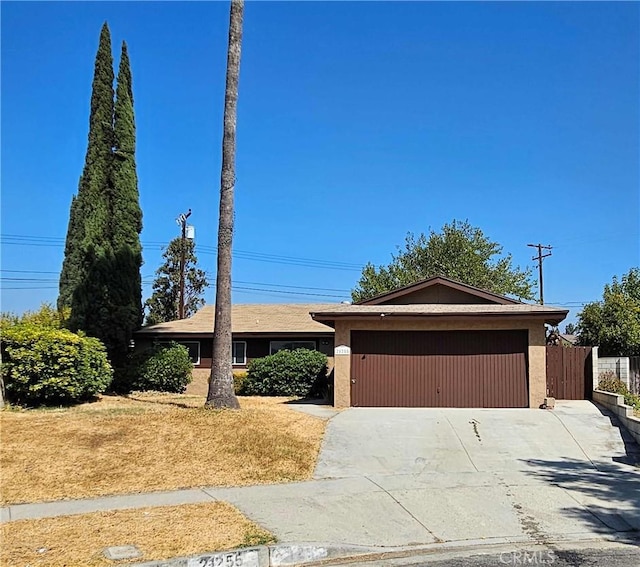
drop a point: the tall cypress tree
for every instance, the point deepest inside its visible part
(89, 211)
(100, 279)
(126, 215)
(71, 266)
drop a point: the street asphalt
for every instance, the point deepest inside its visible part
(604, 554)
(408, 477)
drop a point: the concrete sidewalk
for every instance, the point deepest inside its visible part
(407, 510)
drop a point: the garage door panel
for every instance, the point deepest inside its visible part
(439, 368)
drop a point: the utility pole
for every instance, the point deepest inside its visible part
(182, 221)
(539, 258)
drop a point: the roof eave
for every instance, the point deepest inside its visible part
(550, 317)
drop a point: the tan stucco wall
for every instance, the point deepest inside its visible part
(537, 352)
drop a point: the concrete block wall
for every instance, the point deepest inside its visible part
(619, 365)
(615, 403)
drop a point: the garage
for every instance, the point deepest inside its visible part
(486, 369)
(440, 343)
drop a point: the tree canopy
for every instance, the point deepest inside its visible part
(613, 324)
(163, 304)
(459, 251)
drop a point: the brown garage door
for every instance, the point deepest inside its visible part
(439, 369)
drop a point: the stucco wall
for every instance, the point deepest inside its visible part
(536, 355)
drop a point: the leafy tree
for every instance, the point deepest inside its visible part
(570, 329)
(613, 324)
(163, 304)
(100, 278)
(221, 392)
(460, 252)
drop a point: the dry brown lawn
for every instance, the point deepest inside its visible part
(145, 442)
(160, 533)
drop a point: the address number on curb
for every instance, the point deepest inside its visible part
(247, 558)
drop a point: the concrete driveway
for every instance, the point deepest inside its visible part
(412, 441)
(406, 477)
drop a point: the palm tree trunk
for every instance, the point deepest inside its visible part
(221, 394)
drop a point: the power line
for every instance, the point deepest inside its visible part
(27, 288)
(26, 271)
(31, 284)
(293, 286)
(285, 292)
(149, 280)
(48, 241)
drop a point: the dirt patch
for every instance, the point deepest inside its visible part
(146, 443)
(199, 385)
(160, 533)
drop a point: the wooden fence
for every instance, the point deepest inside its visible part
(569, 373)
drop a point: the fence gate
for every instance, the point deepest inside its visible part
(569, 373)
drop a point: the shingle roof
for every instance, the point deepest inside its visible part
(573, 339)
(251, 318)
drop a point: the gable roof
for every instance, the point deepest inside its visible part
(569, 339)
(248, 318)
(440, 280)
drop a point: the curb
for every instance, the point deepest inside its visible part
(309, 554)
(285, 555)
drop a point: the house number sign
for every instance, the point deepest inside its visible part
(248, 558)
(342, 349)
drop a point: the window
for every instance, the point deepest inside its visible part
(275, 346)
(239, 352)
(192, 346)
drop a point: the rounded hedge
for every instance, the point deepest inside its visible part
(49, 366)
(299, 372)
(162, 369)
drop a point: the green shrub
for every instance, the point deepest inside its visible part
(46, 316)
(632, 400)
(161, 368)
(609, 382)
(239, 378)
(299, 372)
(50, 366)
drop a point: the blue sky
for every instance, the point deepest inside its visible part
(357, 122)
